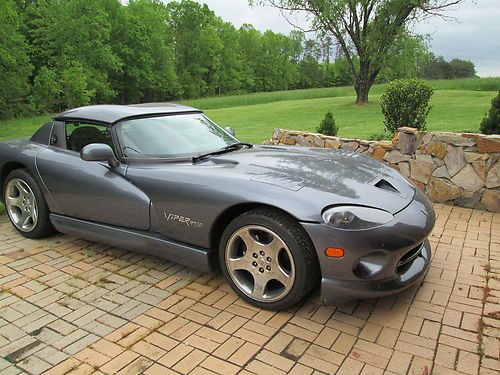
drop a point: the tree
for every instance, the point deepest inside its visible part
(64, 32)
(15, 67)
(234, 73)
(462, 68)
(74, 86)
(436, 67)
(250, 41)
(46, 90)
(198, 47)
(311, 74)
(143, 41)
(364, 29)
(275, 69)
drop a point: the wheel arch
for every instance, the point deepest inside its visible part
(232, 212)
(6, 169)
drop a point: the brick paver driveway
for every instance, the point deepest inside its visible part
(67, 305)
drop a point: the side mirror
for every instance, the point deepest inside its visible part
(230, 131)
(99, 152)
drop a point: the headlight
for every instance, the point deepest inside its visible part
(356, 217)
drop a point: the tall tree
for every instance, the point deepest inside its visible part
(143, 41)
(365, 29)
(15, 67)
(197, 47)
(462, 68)
(234, 72)
(75, 36)
(250, 41)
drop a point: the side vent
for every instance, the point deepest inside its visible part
(383, 184)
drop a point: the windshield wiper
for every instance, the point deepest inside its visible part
(133, 149)
(229, 148)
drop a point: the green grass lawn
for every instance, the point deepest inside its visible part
(453, 110)
(21, 127)
(458, 105)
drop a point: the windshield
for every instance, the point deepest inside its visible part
(183, 135)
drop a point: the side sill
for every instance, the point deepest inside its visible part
(129, 239)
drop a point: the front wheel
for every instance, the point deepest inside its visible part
(268, 259)
(26, 206)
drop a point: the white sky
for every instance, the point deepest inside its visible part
(474, 36)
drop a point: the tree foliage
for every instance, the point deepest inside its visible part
(491, 122)
(406, 103)
(436, 67)
(15, 66)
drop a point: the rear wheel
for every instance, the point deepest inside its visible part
(26, 206)
(268, 259)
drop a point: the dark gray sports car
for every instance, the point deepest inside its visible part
(165, 180)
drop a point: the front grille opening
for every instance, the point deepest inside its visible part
(407, 260)
(383, 184)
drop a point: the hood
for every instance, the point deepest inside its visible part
(334, 176)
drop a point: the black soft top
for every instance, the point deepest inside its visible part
(110, 114)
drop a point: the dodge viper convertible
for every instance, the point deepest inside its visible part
(165, 180)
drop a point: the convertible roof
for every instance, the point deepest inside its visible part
(111, 114)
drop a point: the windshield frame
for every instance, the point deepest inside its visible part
(158, 159)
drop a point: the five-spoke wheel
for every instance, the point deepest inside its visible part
(26, 206)
(268, 259)
(260, 263)
(21, 205)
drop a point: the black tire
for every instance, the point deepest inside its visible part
(306, 270)
(43, 227)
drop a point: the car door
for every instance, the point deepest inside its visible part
(90, 191)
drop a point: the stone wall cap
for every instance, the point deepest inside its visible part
(407, 130)
(493, 137)
(325, 137)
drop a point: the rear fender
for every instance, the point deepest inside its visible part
(21, 154)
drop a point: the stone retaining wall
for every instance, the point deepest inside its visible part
(460, 169)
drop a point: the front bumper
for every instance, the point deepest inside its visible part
(377, 262)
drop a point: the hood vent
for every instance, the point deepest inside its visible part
(386, 185)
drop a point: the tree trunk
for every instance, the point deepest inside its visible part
(362, 93)
(363, 83)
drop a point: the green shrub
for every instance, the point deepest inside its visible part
(327, 126)
(406, 103)
(491, 122)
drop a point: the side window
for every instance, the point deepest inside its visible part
(79, 135)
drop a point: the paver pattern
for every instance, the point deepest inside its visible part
(71, 306)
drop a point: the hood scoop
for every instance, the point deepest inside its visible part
(386, 185)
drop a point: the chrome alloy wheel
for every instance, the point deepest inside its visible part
(260, 263)
(21, 205)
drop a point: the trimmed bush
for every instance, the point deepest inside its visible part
(491, 122)
(327, 126)
(406, 103)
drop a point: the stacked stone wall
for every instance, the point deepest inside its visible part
(456, 168)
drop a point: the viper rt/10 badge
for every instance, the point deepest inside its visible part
(182, 219)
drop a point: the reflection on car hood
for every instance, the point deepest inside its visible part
(352, 177)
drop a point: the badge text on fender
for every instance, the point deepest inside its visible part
(183, 220)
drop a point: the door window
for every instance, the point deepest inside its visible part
(79, 135)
